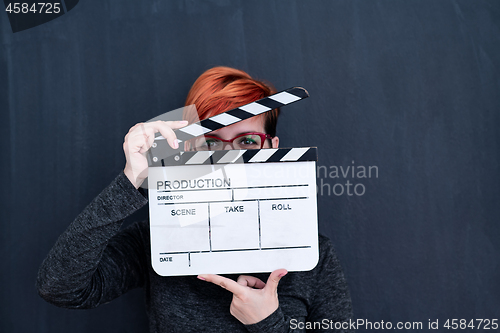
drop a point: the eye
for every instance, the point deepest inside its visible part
(211, 143)
(247, 141)
(207, 144)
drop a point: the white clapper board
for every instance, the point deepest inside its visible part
(233, 211)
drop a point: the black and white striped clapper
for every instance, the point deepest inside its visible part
(243, 112)
(219, 157)
(227, 118)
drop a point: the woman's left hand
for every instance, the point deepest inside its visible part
(253, 300)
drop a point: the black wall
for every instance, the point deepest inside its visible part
(411, 87)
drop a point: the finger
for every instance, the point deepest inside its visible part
(166, 131)
(250, 281)
(142, 136)
(147, 138)
(137, 139)
(140, 139)
(176, 124)
(232, 286)
(274, 279)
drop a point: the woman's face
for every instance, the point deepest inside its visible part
(255, 124)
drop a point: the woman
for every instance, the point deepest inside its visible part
(94, 262)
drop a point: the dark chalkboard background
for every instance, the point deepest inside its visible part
(411, 87)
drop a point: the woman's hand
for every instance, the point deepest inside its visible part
(138, 141)
(253, 300)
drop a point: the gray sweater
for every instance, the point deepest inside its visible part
(94, 261)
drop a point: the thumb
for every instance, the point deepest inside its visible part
(274, 279)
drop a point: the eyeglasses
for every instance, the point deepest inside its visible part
(250, 140)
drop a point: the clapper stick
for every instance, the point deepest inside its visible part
(227, 118)
(222, 157)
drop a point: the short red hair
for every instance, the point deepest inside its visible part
(221, 89)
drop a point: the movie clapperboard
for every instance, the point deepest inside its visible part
(233, 211)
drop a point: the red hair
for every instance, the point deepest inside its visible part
(221, 89)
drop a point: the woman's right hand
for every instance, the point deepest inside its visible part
(138, 141)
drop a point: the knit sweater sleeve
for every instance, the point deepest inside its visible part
(90, 264)
(330, 298)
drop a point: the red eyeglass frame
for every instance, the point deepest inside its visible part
(263, 137)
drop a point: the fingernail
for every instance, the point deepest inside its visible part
(201, 278)
(176, 143)
(184, 121)
(282, 274)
